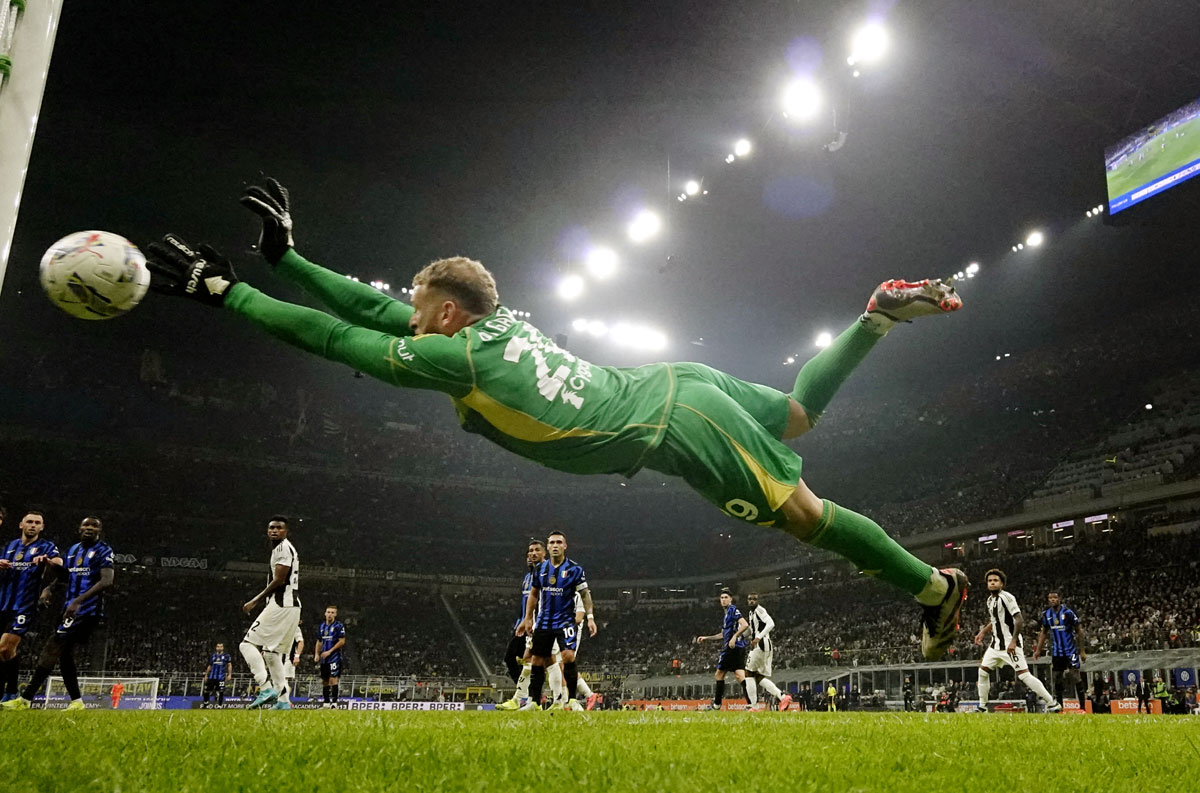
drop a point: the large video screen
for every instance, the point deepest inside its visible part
(1154, 159)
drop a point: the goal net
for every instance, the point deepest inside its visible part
(107, 693)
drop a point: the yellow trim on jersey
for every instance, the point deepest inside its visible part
(776, 491)
(521, 426)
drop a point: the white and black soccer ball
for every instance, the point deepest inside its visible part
(95, 274)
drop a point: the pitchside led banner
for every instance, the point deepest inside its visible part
(1154, 159)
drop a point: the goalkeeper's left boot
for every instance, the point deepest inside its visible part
(266, 697)
(20, 703)
(939, 624)
(75, 704)
(904, 301)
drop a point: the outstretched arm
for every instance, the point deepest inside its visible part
(355, 302)
(434, 362)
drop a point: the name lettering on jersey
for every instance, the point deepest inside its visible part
(402, 352)
(551, 384)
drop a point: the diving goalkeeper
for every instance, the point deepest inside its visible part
(514, 386)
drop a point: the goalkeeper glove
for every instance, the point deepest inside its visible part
(178, 269)
(274, 206)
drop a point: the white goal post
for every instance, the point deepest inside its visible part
(107, 693)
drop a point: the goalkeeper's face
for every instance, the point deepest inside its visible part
(434, 311)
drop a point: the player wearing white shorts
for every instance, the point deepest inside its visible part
(290, 661)
(762, 654)
(270, 637)
(1005, 648)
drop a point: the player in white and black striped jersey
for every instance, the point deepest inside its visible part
(761, 657)
(1005, 647)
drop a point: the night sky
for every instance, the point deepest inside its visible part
(515, 133)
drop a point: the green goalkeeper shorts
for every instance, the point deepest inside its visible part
(722, 438)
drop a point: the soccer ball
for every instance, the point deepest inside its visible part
(95, 274)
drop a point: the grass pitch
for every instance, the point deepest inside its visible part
(230, 751)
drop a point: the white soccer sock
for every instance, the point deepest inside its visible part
(1035, 685)
(253, 658)
(751, 691)
(768, 685)
(523, 683)
(935, 591)
(558, 689)
(582, 688)
(985, 687)
(275, 666)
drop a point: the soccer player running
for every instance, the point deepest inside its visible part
(218, 671)
(552, 592)
(761, 657)
(23, 565)
(520, 648)
(331, 638)
(514, 386)
(1067, 651)
(271, 634)
(732, 657)
(1006, 648)
(88, 572)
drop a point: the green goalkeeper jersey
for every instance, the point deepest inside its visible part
(509, 382)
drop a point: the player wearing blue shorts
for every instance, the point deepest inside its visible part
(216, 674)
(22, 565)
(1067, 651)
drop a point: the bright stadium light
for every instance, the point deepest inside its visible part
(1020, 246)
(730, 158)
(869, 44)
(824, 339)
(742, 147)
(644, 225)
(570, 287)
(692, 187)
(1149, 406)
(579, 325)
(972, 268)
(1088, 213)
(790, 360)
(1035, 239)
(597, 328)
(602, 262)
(801, 100)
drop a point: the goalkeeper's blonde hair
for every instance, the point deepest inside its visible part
(465, 280)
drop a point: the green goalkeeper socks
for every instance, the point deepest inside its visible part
(823, 375)
(863, 542)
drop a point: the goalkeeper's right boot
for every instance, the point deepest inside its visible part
(266, 696)
(939, 624)
(904, 301)
(20, 703)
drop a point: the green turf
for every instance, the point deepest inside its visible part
(1179, 152)
(229, 751)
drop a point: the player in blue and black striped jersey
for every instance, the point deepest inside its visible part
(89, 571)
(220, 667)
(1067, 651)
(23, 565)
(331, 638)
(554, 584)
(734, 629)
(519, 653)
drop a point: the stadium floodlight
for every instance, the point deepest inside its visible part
(824, 339)
(790, 360)
(742, 147)
(1035, 239)
(1088, 213)
(1020, 246)
(972, 268)
(730, 158)
(869, 44)
(644, 225)
(856, 73)
(692, 187)
(570, 287)
(1014, 248)
(597, 328)
(997, 357)
(579, 324)
(801, 100)
(602, 262)
(1149, 406)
